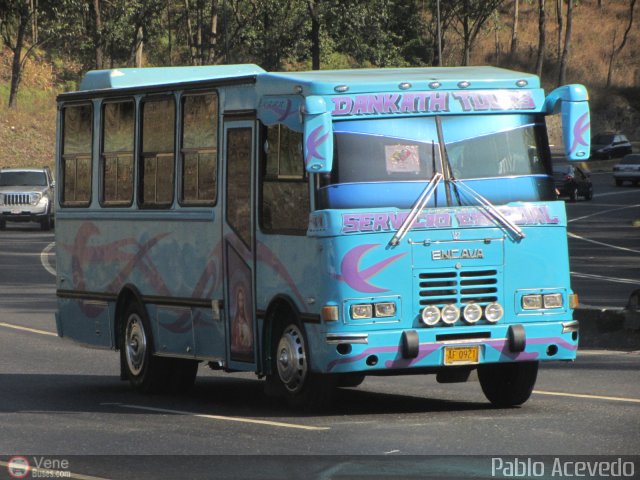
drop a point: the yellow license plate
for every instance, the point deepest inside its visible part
(461, 355)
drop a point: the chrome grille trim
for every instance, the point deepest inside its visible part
(16, 199)
(458, 287)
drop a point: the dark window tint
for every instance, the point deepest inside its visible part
(117, 154)
(76, 155)
(239, 146)
(158, 122)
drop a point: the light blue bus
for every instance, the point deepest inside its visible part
(317, 227)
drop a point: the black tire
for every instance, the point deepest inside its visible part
(291, 376)
(46, 223)
(618, 182)
(349, 380)
(508, 384)
(146, 372)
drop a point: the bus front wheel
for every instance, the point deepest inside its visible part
(508, 384)
(291, 376)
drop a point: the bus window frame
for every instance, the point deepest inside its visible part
(180, 150)
(61, 155)
(139, 186)
(101, 156)
(262, 176)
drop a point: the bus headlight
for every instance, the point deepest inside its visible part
(552, 300)
(472, 313)
(493, 312)
(532, 302)
(450, 314)
(430, 315)
(362, 311)
(385, 309)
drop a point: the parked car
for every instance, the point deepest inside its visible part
(610, 145)
(26, 195)
(572, 181)
(628, 169)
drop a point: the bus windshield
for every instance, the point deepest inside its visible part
(386, 162)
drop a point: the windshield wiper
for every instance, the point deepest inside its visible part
(492, 211)
(417, 207)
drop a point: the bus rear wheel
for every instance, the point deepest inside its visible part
(291, 376)
(508, 384)
(145, 371)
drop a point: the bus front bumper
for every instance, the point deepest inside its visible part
(465, 346)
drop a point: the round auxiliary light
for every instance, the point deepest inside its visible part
(493, 312)
(472, 313)
(464, 84)
(430, 315)
(522, 83)
(404, 86)
(435, 85)
(450, 314)
(341, 88)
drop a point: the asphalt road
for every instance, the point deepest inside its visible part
(60, 402)
(604, 243)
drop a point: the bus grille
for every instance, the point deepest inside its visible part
(16, 199)
(458, 287)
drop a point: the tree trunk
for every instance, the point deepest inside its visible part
(138, 47)
(213, 32)
(315, 34)
(16, 64)
(567, 43)
(190, 38)
(559, 21)
(97, 36)
(615, 51)
(514, 31)
(541, 37)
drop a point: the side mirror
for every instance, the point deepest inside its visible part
(572, 102)
(318, 136)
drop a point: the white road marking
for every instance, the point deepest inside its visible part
(584, 395)
(44, 258)
(624, 249)
(27, 329)
(603, 212)
(606, 279)
(220, 417)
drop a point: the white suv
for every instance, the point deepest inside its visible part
(26, 195)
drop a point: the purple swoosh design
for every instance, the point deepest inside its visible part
(314, 141)
(356, 278)
(579, 129)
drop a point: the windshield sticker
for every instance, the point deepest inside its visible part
(433, 102)
(402, 158)
(391, 221)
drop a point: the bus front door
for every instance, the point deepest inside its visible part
(239, 243)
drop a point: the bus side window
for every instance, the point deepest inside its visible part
(118, 119)
(285, 195)
(157, 174)
(198, 149)
(76, 155)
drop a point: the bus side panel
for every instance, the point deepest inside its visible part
(87, 322)
(289, 266)
(170, 262)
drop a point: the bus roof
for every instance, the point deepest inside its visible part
(317, 82)
(156, 76)
(324, 82)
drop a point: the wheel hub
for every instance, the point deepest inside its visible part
(291, 359)
(136, 344)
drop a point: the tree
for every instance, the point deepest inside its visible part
(471, 16)
(615, 51)
(514, 29)
(541, 37)
(564, 59)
